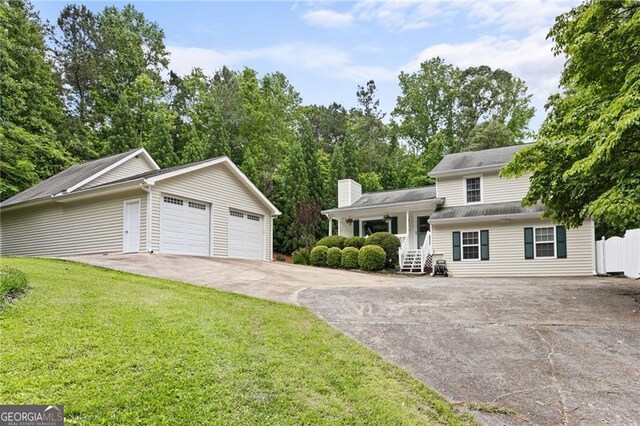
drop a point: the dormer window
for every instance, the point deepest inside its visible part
(473, 189)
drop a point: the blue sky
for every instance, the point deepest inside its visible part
(327, 48)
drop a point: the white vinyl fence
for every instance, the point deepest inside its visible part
(619, 254)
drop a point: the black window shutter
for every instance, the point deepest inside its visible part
(484, 244)
(561, 242)
(456, 245)
(528, 243)
(394, 225)
(356, 228)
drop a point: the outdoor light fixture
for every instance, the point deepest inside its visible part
(349, 221)
(504, 220)
(387, 217)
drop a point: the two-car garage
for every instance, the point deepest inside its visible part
(186, 228)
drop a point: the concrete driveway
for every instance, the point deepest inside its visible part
(559, 351)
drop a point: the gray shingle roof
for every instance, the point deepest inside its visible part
(65, 179)
(475, 159)
(485, 210)
(382, 198)
(397, 196)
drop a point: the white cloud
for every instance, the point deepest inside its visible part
(305, 55)
(515, 15)
(529, 58)
(327, 18)
(399, 15)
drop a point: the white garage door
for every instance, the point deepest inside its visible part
(246, 235)
(184, 226)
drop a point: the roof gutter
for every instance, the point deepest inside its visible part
(508, 216)
(86, 193)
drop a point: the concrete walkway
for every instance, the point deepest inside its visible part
(276, 281)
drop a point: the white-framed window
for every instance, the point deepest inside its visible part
(471, 245)
(545, 242)
(473, 189)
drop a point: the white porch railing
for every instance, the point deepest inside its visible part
(413, 259)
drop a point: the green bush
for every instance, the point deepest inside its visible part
(13, 282)
(389, 243)
(356, 242)
(371, 258)
(319, 256)
(350, 258)
(301, 256)
(334, 258)
(332, 241)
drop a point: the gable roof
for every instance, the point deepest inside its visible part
(154, 176)
(462, 162)
(385, 198)
(484, 211)
(74, 177)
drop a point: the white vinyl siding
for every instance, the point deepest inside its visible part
(507, 251)
(494, 189)
(131, 167)
(218, 186)
(60, 229)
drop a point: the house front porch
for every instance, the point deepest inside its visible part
(409, 224)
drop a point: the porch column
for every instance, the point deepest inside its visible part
(330, 226)
(407, 223)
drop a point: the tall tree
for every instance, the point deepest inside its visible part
(586, 162)
(441, 106)
(30, 106)
(78, 63)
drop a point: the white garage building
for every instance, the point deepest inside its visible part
(126, 203)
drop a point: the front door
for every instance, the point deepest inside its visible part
(131, 238)
(423, 228)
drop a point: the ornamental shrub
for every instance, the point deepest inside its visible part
(301, 256)
(371, 258)
(389, 243)
(332, 241)
(319, 256)
(334, 258)
(350, 258)
(356, 242)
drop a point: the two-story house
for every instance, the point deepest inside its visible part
(472, 218)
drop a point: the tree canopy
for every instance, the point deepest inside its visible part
(586, 162)
(98, 83)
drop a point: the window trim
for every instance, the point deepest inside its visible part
(535, 243)
(362, 221)
(462, 246)
(464, 189)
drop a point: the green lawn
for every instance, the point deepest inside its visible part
(119, 348)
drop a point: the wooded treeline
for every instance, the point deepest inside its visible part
(95, 84)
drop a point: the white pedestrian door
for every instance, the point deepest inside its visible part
(131, 238)
(246, 231)
(184, 226)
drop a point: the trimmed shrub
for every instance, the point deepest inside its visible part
(332, 241)
(301, 256)
(281, 257)
(371, 258)
(350, 258)
(334, 258)
(13, 282)
(356, 242)
(389, 243)
(319, 256)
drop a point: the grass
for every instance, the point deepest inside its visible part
(491, 408)
(13, 284)
(119, 348)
